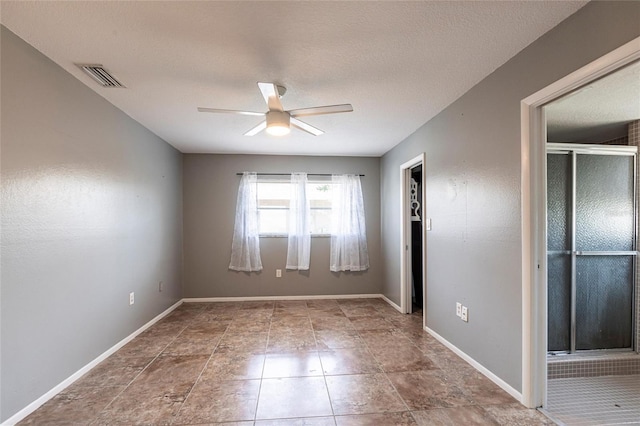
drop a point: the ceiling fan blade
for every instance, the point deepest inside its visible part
(271, 96)
(305, 127)
(229, 111)
(260, 127)
(329, 109)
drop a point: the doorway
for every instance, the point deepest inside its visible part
(413, 232)
(535, 263)
(416, 213)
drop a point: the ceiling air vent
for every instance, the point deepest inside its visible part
(101, 75)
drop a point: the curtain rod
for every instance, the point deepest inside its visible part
(289, 174)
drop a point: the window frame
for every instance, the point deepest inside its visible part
(316, 180)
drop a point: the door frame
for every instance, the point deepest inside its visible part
(405, 235)
(533, 215)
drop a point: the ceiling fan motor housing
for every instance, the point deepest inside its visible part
(278, 122)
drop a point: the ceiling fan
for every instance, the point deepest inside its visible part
(277, 121)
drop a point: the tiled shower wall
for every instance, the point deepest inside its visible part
(565, 366)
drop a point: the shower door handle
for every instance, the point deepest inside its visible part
(606, 253)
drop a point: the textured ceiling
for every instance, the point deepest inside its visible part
(398, 63)
(598, 112)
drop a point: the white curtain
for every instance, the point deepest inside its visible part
(348, 233)
(299, 245)
(245, 249)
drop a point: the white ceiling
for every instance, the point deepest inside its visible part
(597, 112)
(398, 63)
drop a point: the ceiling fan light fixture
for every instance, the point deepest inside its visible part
(278, 123)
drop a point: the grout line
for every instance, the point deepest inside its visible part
(177, 414)
(264, 363)
(324, 376)
(141, 371)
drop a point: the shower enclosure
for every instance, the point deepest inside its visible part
(591, 247)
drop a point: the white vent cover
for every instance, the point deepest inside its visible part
(101, 75)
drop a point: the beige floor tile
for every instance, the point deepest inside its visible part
(371, 323)
(288, 322)
(283, 341)
(293, 397)
(394, 338)
(173, 369)
(234, 366)
(243, 342)
(186, 345)
(79, 405)
(304, 421)
(363, 394)
(145, 403)
(144, 347)
(360, 311)
(395, 419)
(114, 371)
(331, 323)
(292, 364)
(423, 390)
(515, 414)
(401, 358)
(470, 415)
(338, 339)
(480, 389)
(348, 361)
(220, 401)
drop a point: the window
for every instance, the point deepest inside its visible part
(273, 206)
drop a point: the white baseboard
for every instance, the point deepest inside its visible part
(258, 298)
(390, 302)
(475, 364)
(75, 376)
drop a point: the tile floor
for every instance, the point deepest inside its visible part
(316, 362)
(604, 400)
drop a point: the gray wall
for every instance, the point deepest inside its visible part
(91, 210)
(473, 189)
(210, 192)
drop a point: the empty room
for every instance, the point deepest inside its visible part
(319, 213)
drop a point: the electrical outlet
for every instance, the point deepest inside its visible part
(458, 309)
(160, 287)
(132, 298)
(464, 314)
(278, 273)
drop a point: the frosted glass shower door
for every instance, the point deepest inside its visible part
(604, 251)
(591, 250)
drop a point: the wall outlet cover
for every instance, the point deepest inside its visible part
(132, 298)
(458, 309)
(465, 314)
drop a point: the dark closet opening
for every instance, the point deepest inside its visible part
(416, 235)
